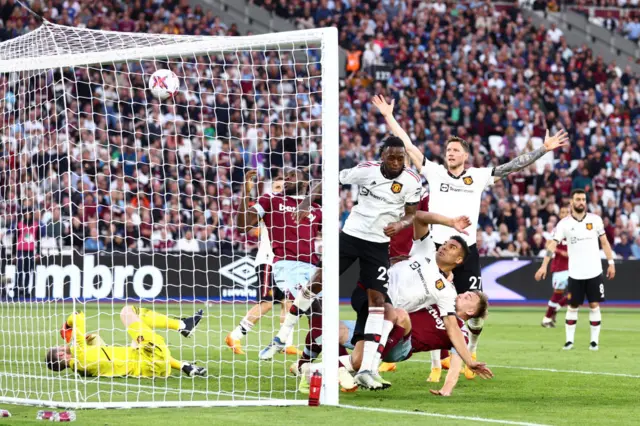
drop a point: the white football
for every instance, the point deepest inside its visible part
(164, 84)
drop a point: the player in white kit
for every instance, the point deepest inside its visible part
(420, 287)
(582, 231)
(454, 191)
(388, 197)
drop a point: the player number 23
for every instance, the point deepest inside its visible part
(383, 273)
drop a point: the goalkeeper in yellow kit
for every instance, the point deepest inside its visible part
(148, 356)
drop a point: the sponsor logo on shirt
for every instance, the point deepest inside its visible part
(436, 317)
(574, 240)
(367, 193)
(439, 284)
(396, 187)
(285, 208)
(467, 180)
(445, 187)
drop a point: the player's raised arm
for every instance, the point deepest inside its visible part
(423, 219)
(457, 339)
(386, 110)
(247, 218)
(76, 324)
(606, 247)
(409, 213)
(558, 140)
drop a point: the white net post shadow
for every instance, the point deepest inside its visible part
(110, 197)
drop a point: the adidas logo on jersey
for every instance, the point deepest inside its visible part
(373, 183)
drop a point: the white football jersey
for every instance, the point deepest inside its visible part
(381, 201)
(583, 246)
(417, 282)
(265, 253)
(456, 196)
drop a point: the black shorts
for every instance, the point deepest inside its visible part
(467, 276)
(360, 304)
(267, 290)
(592, 288)
(374, 261)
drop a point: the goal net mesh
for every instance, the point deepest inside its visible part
(110, 197)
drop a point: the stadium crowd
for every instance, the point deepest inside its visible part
(150, 176)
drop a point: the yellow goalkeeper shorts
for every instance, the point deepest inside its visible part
(154, 356)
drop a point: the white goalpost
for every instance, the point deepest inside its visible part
(110, 197)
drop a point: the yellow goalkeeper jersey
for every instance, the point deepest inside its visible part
(149, 358)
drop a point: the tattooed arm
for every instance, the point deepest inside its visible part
(520, 162)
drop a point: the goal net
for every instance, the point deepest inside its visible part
(111, 197)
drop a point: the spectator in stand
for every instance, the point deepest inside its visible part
(635, 248)
(93, 243)
(624, 247)
(632, 29)
(187, 243)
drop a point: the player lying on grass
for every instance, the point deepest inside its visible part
(148, 356)
(422, 281)
(419, 282)
(424, 330)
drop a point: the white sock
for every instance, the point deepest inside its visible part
(475, 327)
(387, 326)
(571, 319)
(289, 341)
(302, 304)
(242, 329)
(346, 362)
(373, 327)
(435, 359)
(595, 319)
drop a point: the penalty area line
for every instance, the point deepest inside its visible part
(442, 416)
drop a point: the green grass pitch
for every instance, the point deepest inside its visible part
(536, 382)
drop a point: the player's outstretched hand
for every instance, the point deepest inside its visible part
(392, 229)
(248, 180)
(439, 392)
(556, 141)
(611, 272)
(382, 105)
(460, 223)
(541, 274)
(481, 369)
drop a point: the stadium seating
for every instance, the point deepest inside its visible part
(473, 70)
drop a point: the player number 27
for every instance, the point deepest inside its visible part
(476, 283)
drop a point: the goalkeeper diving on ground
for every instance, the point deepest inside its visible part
(148, 355)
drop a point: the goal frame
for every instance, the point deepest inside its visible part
(195, 45)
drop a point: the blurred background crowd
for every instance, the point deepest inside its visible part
(99, 165)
